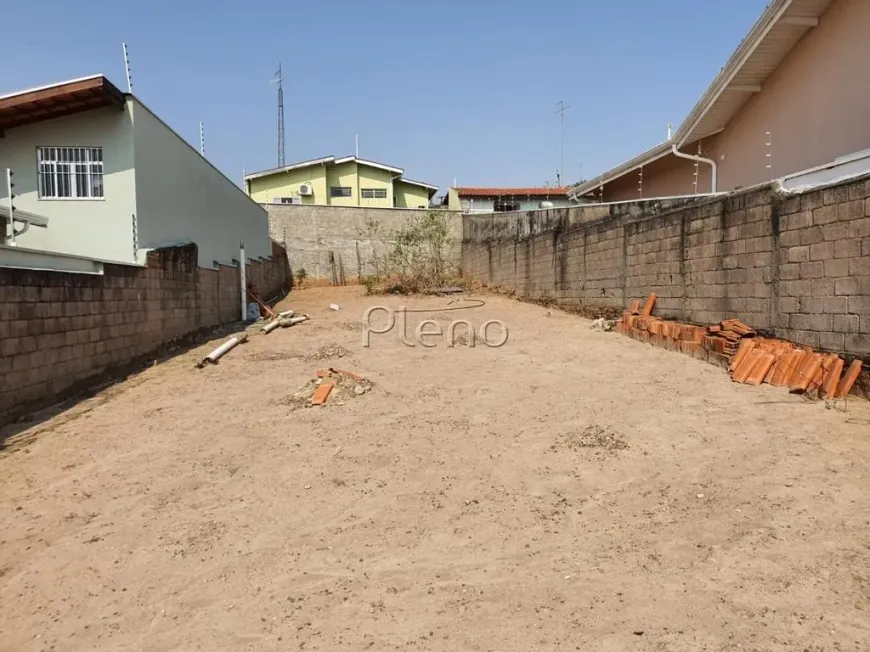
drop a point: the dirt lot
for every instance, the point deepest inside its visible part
(570, 490)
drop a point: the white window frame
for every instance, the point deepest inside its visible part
(287, 200)
(373, 193)
(67, 173)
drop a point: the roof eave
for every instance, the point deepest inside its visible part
(289, 168)
(419, 183)
(762, 26)
(373, 164)
(58, 100)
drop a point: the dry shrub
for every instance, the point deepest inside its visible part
(414, 259)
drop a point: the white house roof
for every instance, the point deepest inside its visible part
(759, 54)
(56, 100)
(332, 160)
(49, 86)
(372, 164)
(768, 43)
(326, 160)
(418, 183)
(292, 166)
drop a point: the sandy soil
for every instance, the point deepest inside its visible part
(570, 490)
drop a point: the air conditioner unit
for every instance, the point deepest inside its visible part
(306, 190)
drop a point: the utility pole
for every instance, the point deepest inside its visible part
(280, 78)
(561, 111)
(201, 139)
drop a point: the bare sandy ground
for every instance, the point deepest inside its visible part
(569, 490)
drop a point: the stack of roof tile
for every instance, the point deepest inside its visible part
(749, 358)
(783, 364)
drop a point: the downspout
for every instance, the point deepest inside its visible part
(714, 168)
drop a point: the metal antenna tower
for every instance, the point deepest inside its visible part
(561, 111)
(280, 78)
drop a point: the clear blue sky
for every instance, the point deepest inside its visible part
(451, 89)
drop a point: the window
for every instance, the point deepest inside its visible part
(339, 191)
(286, 200)
(373, 193)
(70, 172)
(505, 205)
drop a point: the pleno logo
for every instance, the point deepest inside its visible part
(428, 333)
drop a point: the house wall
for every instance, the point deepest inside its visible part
(99, 228)
(477, 204)
(487, 204)
(409, 195)
(344, 174)
(816, 104)
(669, 176)
(799, 265)
(453, 202)
(60, 331)
(183, 198)
(286, 184)
(375, 178)
(318, 237)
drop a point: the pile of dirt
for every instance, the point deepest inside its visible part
(328, 352)
(346, 386)
(593, 436)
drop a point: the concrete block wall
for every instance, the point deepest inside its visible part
(58, 330)
(798, 265)
(311, 234)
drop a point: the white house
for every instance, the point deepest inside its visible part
(114, 181)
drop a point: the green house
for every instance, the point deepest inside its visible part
(331, 181)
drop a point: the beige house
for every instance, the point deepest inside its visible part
(793, 97)
(110, 181)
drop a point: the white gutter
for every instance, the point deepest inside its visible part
(700, 159)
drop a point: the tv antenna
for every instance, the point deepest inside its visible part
(561, 111)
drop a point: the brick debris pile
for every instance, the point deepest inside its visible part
(749, 357)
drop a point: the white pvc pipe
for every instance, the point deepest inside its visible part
(715, 168)
(268, 328)
(215, 355)
(243, 282)
(292, 321)
(287, 313)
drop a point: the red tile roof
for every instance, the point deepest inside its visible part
(512, 192)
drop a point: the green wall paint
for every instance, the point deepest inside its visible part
(286, 184)
(342, 176)
(356, 176)
(410, 195)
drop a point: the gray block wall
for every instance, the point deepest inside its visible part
(311, 234)
(798, 265)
